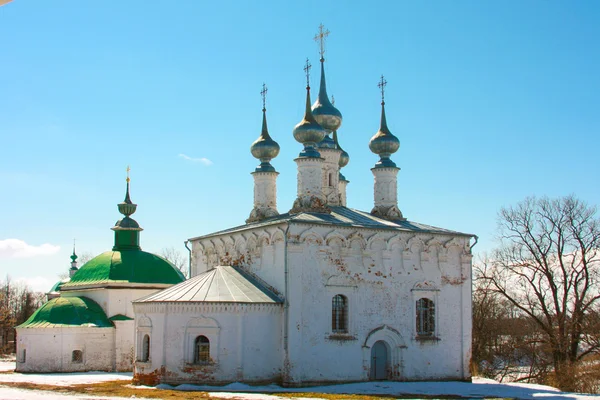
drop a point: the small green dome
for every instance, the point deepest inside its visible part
(127, 266)
(58, 285)
(68, 312)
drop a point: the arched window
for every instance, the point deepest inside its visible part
(145, 348)
(425, 317)
(77, 356)
(201, 350)
(339, 314)
(330, 179)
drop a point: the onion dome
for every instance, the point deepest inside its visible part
(329, 117)
(384, 143)
(344, 157)
(326, 143)
(308, 131)
(264, 148)
(68, 312)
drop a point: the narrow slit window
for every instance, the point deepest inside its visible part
(145, 348)
(202, 350)
(339, 314)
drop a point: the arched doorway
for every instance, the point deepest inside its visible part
(379, 361)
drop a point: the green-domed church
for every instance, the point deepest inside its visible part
(87, 324)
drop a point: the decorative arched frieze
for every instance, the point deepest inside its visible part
(278, 236)
(376, 242)
(312, 237)
(356, 241)
(396, 242)
(144, 322)
(335, 238)
(415, 242)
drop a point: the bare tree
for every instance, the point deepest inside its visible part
(547, 266)
(177, 258)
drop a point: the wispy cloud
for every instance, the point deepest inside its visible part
(16, 248)
(37, 283)
(200, 160)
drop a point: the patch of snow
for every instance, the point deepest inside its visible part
(7, 393)
(7, 365)
(66, 379)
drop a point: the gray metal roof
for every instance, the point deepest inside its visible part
(220, 284)
(342, 216)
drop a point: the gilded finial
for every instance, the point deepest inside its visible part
(128, 169)
(381, 85)
(307, 68)
(320, 37)
(263, 93)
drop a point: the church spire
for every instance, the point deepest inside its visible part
(264, 148)
(323, 110)
(385, 172)
(308, 131)
(384, 143)
(127, 230)
(73, 257)
(265, 176)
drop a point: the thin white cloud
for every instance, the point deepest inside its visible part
(16, 248)
(201, 160)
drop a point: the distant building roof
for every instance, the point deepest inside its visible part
(68, 312)
(343, 217)
(220, 284)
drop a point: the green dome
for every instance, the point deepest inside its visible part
(68, 312)
(127, 266)
(58, 285)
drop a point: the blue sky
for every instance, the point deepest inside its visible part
(491, 101)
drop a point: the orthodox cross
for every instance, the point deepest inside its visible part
(381, 85)
(128, 169)
(320, 37)
(307, 68)
(263, 93)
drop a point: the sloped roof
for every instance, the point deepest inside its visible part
(68, 312)
(127, 266)
(345, 217)
(221, 284)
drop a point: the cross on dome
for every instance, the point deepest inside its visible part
(307, 68)
(381, 85)
(320, 37)
(263, 93)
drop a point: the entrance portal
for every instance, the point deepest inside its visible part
(379, 360)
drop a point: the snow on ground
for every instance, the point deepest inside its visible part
(59, 379)
(479, 388)
(7, 393)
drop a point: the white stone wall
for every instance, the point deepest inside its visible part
(310, 177)
(265, 189)
(51, 349)
(382, 273)
(113, 301)
(245, 342)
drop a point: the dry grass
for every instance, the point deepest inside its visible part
(123, 389)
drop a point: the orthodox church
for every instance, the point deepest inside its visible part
(87, 324)
(320, 293)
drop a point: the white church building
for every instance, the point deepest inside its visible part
(321, 293)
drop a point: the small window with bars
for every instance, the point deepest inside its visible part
(339, 314)
(425, 317)
(201, 350)
(77, 357)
